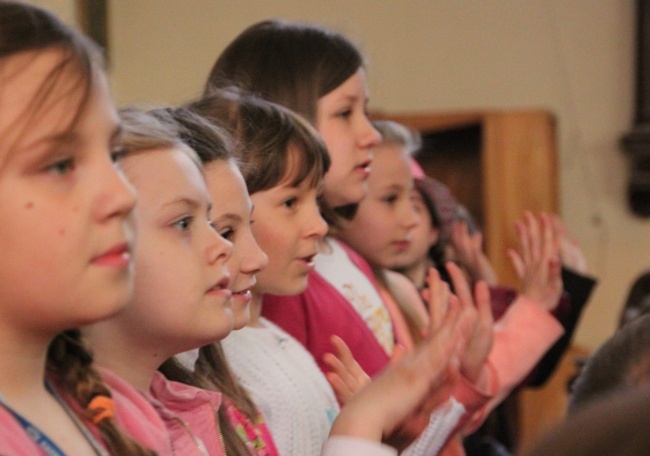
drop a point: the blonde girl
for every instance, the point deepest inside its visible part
(67, 237)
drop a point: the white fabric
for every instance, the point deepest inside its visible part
(442, 422)
(334, 264)
(346, 446)
(287, 386)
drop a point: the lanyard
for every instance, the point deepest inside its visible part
(47, 445)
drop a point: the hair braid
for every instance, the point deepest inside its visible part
(70, 364)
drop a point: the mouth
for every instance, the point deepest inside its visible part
(308, 260)
(221, 287)
(118, 256)
(364, 167)
(402, 245)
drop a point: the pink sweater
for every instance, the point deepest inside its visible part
(133, 413)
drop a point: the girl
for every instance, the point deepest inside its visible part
(386, 223)
(280, 375)
(66, 204)
(321, 75)
(181, 297)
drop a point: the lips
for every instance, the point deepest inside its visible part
(118, 257)
(221, 287)
(364, 167)
(402, 245)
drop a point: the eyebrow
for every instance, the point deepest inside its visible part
(193, 203)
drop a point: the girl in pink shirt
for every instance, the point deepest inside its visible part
(66, 238)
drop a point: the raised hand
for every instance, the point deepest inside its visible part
(469, 254)
(346, 375)
(538, 263)
(571, 254)
(478, 325)
(397, 404)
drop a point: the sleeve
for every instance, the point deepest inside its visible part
(578, 289)
(521, 338)
(346, 446)
(444, 420)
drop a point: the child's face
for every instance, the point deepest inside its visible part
(423, 235)
(181, 299)
(381, 229)
(349, 137)
(66, 230)
(231, 217)
(288, 227)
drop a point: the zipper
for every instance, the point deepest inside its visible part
(198, 442)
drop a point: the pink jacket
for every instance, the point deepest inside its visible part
(190, 415)
(133, 413)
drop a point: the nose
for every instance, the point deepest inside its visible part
(409, 218)
(255, 260)
(117, 196)
(368, 135)
(315, 225)
(218, 248)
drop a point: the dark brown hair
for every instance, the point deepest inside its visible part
(289, 63)
(25, 28)
(265, 135)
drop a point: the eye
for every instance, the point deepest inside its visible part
(227, 234)
(290, 203)
(344, 114)
(390, 199)
(117, 154)
(61, 167)
(184, 223)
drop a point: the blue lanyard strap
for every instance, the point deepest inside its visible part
(47, 445)
(50, 448)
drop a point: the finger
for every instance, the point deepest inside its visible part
(517, 263)
(438, 296)
(524, 244)
(342, 392)
(534, 236)
(461, 286)
(482, 298)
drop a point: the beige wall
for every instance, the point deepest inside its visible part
(573, 57)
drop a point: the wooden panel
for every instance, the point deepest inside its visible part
(520, 170)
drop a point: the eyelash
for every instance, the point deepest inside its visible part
(290, 203)
(117, 154)
(184, 223)
(345, 113)
(227, 234)
(61, 167)
(390, 199)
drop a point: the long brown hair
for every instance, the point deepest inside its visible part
(26, 28)
(166, 127)
(289, 63)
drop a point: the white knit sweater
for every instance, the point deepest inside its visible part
(287, 386)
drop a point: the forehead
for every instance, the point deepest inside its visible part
(161, 176)
(29, 100)
(227, 188)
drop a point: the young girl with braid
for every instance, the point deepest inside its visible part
(67, 239)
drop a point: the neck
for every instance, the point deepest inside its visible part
(417, 272)
(22, 365)
(256, 310)
(119, 350)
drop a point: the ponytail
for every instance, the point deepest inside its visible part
(70, 365)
